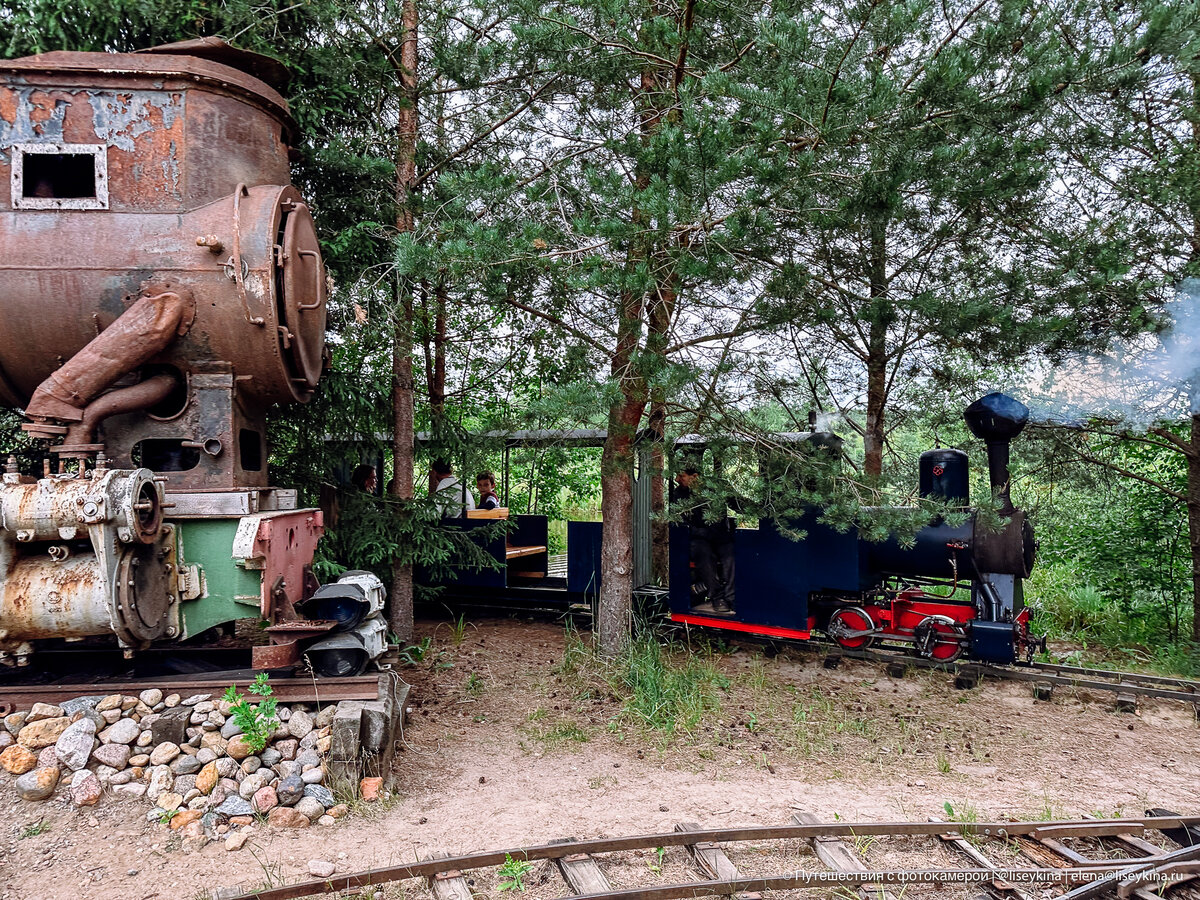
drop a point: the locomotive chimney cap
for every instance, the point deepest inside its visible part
(996, 417)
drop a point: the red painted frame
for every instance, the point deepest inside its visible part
(731, 625)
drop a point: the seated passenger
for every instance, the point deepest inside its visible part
(365, 478)
(447, 491)
(488, 498)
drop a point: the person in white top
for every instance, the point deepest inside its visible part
(447, 491)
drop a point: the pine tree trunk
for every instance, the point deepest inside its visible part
(1193, 514)
(400, 612)
(616, 546)
(662, 310)
(880, 318)
(616, 484)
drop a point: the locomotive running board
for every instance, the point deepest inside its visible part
(733, 625)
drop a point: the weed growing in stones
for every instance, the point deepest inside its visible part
(257, 721)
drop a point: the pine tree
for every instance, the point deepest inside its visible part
(924, 224)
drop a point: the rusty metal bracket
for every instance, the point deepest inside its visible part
(286, 639)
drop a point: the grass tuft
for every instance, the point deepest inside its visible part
(665, 690)
(39, 827)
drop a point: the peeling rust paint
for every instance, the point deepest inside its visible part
(42, 598)
(28, 115)
(120, 118)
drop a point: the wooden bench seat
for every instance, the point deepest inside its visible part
(500, 513)
(514, 552)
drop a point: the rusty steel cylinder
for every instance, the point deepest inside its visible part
(63, 507)
(43, 597)
(165, 169)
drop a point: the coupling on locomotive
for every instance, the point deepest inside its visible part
(163, 288)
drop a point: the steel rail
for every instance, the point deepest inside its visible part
(1088, 684)
(1132, 677)
(793, 880)
(429, 867)
(1044, 672)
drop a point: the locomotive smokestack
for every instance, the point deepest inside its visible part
(997, 419)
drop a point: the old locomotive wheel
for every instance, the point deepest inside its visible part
(940, 641)
(846, 627)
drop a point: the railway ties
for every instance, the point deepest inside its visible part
(1043, 678)
(1058, 869)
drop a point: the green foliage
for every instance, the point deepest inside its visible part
(1115, 566)
(512, 873)
(664, 688)
(39, 827)
(256, 720)
(474, 685)
(418, 652)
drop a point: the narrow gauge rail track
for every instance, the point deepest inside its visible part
(1161, 687)
(1044, 844)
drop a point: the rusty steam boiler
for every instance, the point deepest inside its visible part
(162, 288)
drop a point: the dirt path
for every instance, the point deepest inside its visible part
(506, 749)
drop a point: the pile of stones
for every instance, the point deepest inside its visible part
(185, 755)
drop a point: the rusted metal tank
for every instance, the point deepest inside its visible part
(161, 286)
(154, 187)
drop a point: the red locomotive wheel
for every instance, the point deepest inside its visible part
(947, 644)
(846, 624)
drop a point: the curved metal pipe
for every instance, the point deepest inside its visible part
(139, 334)
(140, 396)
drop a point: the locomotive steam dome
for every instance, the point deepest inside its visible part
(156, 256)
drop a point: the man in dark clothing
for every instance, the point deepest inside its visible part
(712, 543)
